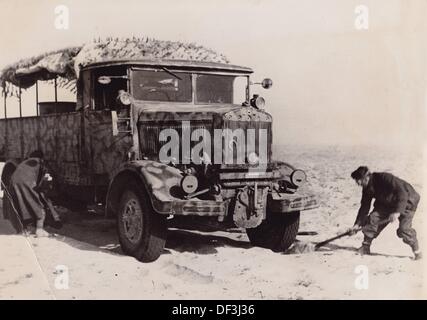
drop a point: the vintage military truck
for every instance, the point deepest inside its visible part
(132, 143)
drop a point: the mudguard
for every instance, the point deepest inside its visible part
(162, 183)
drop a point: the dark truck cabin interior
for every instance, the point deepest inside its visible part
(159, 85)
(105, 93)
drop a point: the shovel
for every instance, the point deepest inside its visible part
(324, 242)
(310, 247)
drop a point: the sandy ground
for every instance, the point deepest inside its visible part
(223, 265)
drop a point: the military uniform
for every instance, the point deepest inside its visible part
(392, 195)
(27, 191)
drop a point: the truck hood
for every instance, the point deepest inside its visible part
(184, 112)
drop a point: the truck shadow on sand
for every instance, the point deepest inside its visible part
(100, 232)
(189, 241)
(177, 240)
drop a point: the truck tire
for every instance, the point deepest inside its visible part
(277, 232)
(142, 232)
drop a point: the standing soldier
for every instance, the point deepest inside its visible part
(394, 199)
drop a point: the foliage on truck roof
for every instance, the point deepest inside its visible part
(65, 64)
(169, 63)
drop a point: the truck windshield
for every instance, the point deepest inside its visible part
(161, 86)
(173, 86)
(211, 88)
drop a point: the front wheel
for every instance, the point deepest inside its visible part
(277, 232)
(142, 232)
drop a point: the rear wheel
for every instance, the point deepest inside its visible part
(142, 232)
(277, 232)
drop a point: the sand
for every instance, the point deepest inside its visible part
(223, 265)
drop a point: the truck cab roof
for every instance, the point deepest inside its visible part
(173, 64)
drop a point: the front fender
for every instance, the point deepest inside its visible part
(158, 179)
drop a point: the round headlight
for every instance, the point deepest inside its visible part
(257, 102)
(189, 184)
(253, 158)
(298, 177)
(260, 103)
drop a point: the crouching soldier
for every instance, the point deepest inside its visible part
(394, 199)
(27, 189)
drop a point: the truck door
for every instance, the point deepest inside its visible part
(105, 152)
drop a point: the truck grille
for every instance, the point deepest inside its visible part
(260, 146)
(149, 133)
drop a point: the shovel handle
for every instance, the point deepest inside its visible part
(347, 233)
(321, 244)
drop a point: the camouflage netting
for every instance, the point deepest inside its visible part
(65, 64)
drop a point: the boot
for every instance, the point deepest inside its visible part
(364, 249)
(366, 246)
(417, 255)
(416, 250)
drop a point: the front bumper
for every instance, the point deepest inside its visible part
(286, 202)
(276, 202)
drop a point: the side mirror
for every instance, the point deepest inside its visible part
(267, 83)
(114, 122)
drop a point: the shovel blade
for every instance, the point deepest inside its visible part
(302, 247)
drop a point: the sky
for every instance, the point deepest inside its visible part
(333, 84)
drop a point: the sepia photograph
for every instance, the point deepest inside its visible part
(213, 150)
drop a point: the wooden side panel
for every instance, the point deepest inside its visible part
(58, 136)
(3, 133)
(30, 137)
(68, 135)
(47, 126)
(14, 139)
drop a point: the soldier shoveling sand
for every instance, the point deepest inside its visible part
(394, 199)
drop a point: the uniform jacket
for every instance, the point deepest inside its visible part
(391, 194)
(25, 186)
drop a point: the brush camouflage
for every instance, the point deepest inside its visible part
(106, 148)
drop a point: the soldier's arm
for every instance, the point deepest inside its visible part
(365, 206)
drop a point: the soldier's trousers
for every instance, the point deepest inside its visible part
(405, 231)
